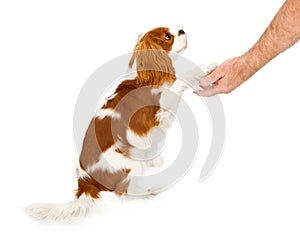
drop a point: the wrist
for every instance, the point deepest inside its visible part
(252, 60)
(249, 64)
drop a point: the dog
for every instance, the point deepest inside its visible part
(122, 137)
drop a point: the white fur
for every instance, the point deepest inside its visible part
(140, 36)
(81, 174)
(156, 162)
(140, 142)
(165, 118)
(208, 68)
(180, 43)
(157, 136)
(78, 208)
(102, 113)
(111, 97)
(113, 161)
(155, 91)
(170, 96)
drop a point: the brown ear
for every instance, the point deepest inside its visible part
(154, 66)
(132, 60)
(146, 43)
(133, 56)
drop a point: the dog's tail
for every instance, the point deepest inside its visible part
(77, 208)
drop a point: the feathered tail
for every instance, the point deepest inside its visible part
(78, 208)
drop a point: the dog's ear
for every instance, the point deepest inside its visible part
(144, 42)
(132, 60)
(153, 64)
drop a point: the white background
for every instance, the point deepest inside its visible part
(49, 49)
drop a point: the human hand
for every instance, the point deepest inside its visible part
(226, 77)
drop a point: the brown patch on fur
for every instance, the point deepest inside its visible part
(100, 136)
(90, 152)
(138, 109)
(103, 132)
(144, 120)
(115, 181)
(88, 186)
(137, 106)
(103, 180)
(122, 187)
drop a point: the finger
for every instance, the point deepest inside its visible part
(212, 78)
(207, 92)
(205, 81)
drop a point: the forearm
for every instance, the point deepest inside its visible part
(282, 33)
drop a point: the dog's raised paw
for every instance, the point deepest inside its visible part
(208, 68)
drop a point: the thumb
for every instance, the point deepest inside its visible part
(205, 81)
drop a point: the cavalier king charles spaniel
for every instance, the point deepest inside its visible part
(123, 137)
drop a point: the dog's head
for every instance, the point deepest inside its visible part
(151, 54)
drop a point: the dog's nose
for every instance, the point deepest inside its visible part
(181, 32)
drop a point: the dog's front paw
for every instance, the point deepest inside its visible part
(156, 162)
(192, 77)
(208, 68)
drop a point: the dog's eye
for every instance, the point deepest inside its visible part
(168, 36)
